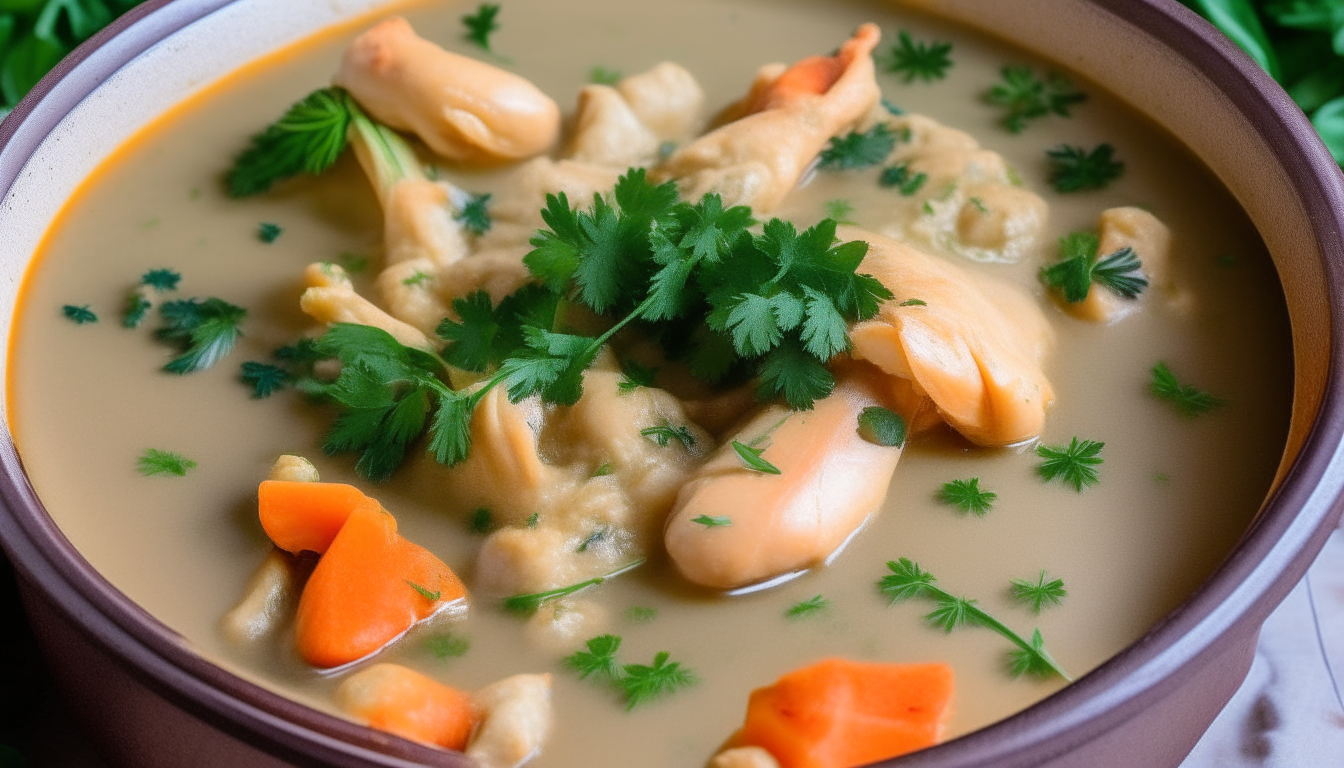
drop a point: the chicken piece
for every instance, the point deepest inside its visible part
(1151, 241)
(831, 480)
(516, 717)
(625, 125)
(666, 98)
(517, 209)
(559, 625)
(758, 159)
(464, 109)
(504, 457)
(975, 346)
(744, 757)
(331, 298)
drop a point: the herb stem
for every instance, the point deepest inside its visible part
(530, 603)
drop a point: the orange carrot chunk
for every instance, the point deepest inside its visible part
(302, 516)
(814, 75)
(403, 702)
(841, 714)
(369, 588)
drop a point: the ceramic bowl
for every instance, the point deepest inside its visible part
(150, 702)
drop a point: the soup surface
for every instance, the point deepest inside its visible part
(85, 400)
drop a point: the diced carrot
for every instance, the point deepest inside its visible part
(369, 588)
(841, 714)
(815, 75)
(398, 700)
(302, 516)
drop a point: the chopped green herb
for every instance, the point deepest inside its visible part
(604, 469)
(533, 519)
(1188, 400)
(808, 607)
(154, 462)
(643, 683)
(913, 303)
(979, 204)
(918, 60)
(475, 215)
(666, 433)
(137, 308)
(1074, 464)
(425, 593)
(482, 522)
(599, 660)
(448, 645)
(482, 24)
(882, 427)
(858, 150)
(79, 315)
(1027, 97)
(419, 278)
(751, 459)
(636, 376)
(604, 75)
(309, 138)
(713, 521)
(908, 580)
(527, 604)
(639, 614)
(1038, 594)
(666, 149)
(264, 378)
(161, 279)
(205, 330)
(1161, 478)
(354, 263)
(268, 232)
(967, 496)
(1075, 168)
(891, 107)
(596, 537)
(840, 210)
(1120, 272)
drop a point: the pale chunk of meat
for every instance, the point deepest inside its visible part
(516, 209)
(625, 125)
(975, 347)
(758, 159)
(516, 718)
(559, 625)
(464, 109)
(666, 98)
(1119, 228)
(831, 480)
(331, 298)
(418, 223)
(503, 470)
(744, 757)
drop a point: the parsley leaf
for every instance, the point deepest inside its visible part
(713, 521)
(1027, 97)
(666, 433)
(857, 150)
(918, 60)
(268, 232)
(840, 210)
(1074, 464)
(482, 24)
(481, 521)
(751, 459)
(882, 427)
(471, 338)
(206, 330)
(264, 378)
(137, 307)
(425, 593)
(1075, 168)
(604, 75)
(809, 607)
(640, 614)
(1188, 400)
(898, 176)
(599, 660)
(161, 279)
(307, 139)
(154, 462)
(907, 580)
(967, 496)
(643, 683)
(636, 376)
(79, 315)
(1120, 272)
(528, 604)
(475, 215)
(1039, 594)
(448, 645)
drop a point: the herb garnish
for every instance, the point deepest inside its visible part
(899, 176)
(137, 307)
(154, 462)
(857, 150)
(908, 580)
(604, 469)
(161, 279)
(481, 521)
(918, 60)
(643, 683)
(665, 433)
(308, 138)
(967, 496)
(264, 378)
(1038, 594)
(79, 315)
(599, 660)
(751, 459)
(640, 614)
(1074, 464)
(913, 303)
(530, 603)
(596, 537)
(840, 209)
(882, 427)
(419, 278)
(268, 232)
(448, 645)
(601, 75)
(1027, 97)
(808, 607)
(1074, 168)
(475, 215)
(636, 376)
(1188, 400)
(206, 330)
(1079, 267)
(713, 521)
(482, 24)
(425, 593)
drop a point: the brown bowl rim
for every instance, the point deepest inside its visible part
(1271, 557)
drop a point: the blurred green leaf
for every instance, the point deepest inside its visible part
(85, 17)
(1329, 122)
(25, 63)
(1238, 20)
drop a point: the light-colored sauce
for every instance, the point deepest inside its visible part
(1174, 495)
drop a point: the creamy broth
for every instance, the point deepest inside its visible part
(1175, 494)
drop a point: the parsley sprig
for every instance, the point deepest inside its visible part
(908, 580)
(859, 149)
(1120, 272)
(967, 496)
(157, 462)
(917, 60)
(1188, 400)
(1026, 97)
(1073, 169)
(639, 683)
(528, 604)
(806, 608)
(481, 24)
(205, 330)
(1038, 594)
(1073, 464)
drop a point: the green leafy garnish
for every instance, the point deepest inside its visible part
(137, 308)
(448, 645)
(482, 521)
(808, 607)
(913, 303)
(161, 279)
(268, 232)
(967, 496)
(206, 330)
(1074, 168)
(79, 315)
(1074, 464)
(1079, 267)
(599, 660)
(666, 433)
(857, 149)
(908, 580)
(264, 378)
(1188, 400)
(604, 469)
(640, 614)
(595, 537)
(1038, 594)
(636, 376)
(533, 519)
(155, 462)
(882, 427)
(899, 176)
(840, 210)
(482, 24)
(308, 139)
(475, 215)
(713, 521)
(425, 593)
(918, 60)
(604, 75)
(751, 459)
(354, 263)
(1027, 97)
(419, 278)
(643, 683)
(891, 107)
(527, 604)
